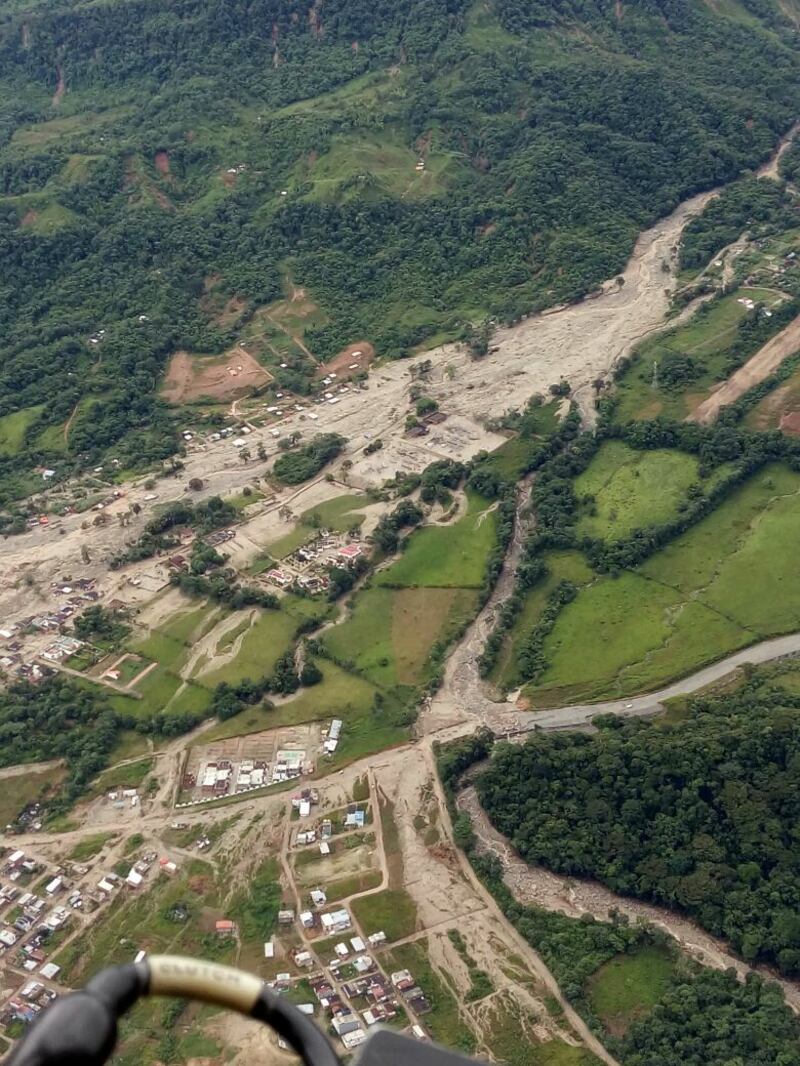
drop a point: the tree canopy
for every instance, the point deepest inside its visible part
(701, 815)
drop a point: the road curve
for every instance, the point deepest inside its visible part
(643, 706)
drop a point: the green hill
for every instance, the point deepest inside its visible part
(189, 162)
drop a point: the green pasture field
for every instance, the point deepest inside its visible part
(261, 647)
(633, 489)
(340, 694)
(392, 911)
(562, 566)
(730, 581)
(357, 164)
(389, 635)
(162, 690)
(452, 556)
(707, 338)
(511, 458)
(90, 846)
(13, 427)
(627, 987)
(132, 775)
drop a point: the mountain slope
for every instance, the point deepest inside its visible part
(150, 152)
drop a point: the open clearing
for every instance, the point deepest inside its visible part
(765, 362)
(390, 633)
(626, 988)
(392, 911)
(368, 726)
(447, 556)
(780, 409)
(633, 489)
(13, 428)
(28, 787)
(214, 377)
(355, 359)
(707, 339)
(726, 583)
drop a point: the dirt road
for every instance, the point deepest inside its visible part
(765, 362)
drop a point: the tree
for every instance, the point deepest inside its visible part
(196, 484)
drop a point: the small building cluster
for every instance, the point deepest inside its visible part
(307, 568)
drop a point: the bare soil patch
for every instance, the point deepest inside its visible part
(354, 359)
(161, 161)
(191, 377)
(231, 311)
(790, 424)
(29, 218)
(61, 88)
(765, 362)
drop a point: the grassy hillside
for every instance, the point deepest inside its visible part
(192, 162)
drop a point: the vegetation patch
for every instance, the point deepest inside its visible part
(447, 556)
(90, 846)
(28, 787)
(390, 632)
(13, 428)
(629, 489)
(392, 911)
(629, 986)
(725, 583)
(444, 1021)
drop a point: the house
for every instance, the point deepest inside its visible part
(341, 950)
(350, 552)
(363, 964)
(415, 998)
(355, 820)
(377, 938)
(324, 848)
(402, 979)
(357, 944)
(336, 921)
(305, 808)
(304, 960)
(345, 1023)
(269, 949)
(105, 885)
(134, 879)
(353, 1039)
(225, 927)
(307, 919)
(50, 971)
(318, 897)
(285, 917)
(54, 886)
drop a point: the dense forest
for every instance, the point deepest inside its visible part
(701, 815)
(552, 133)
(701, 1017)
